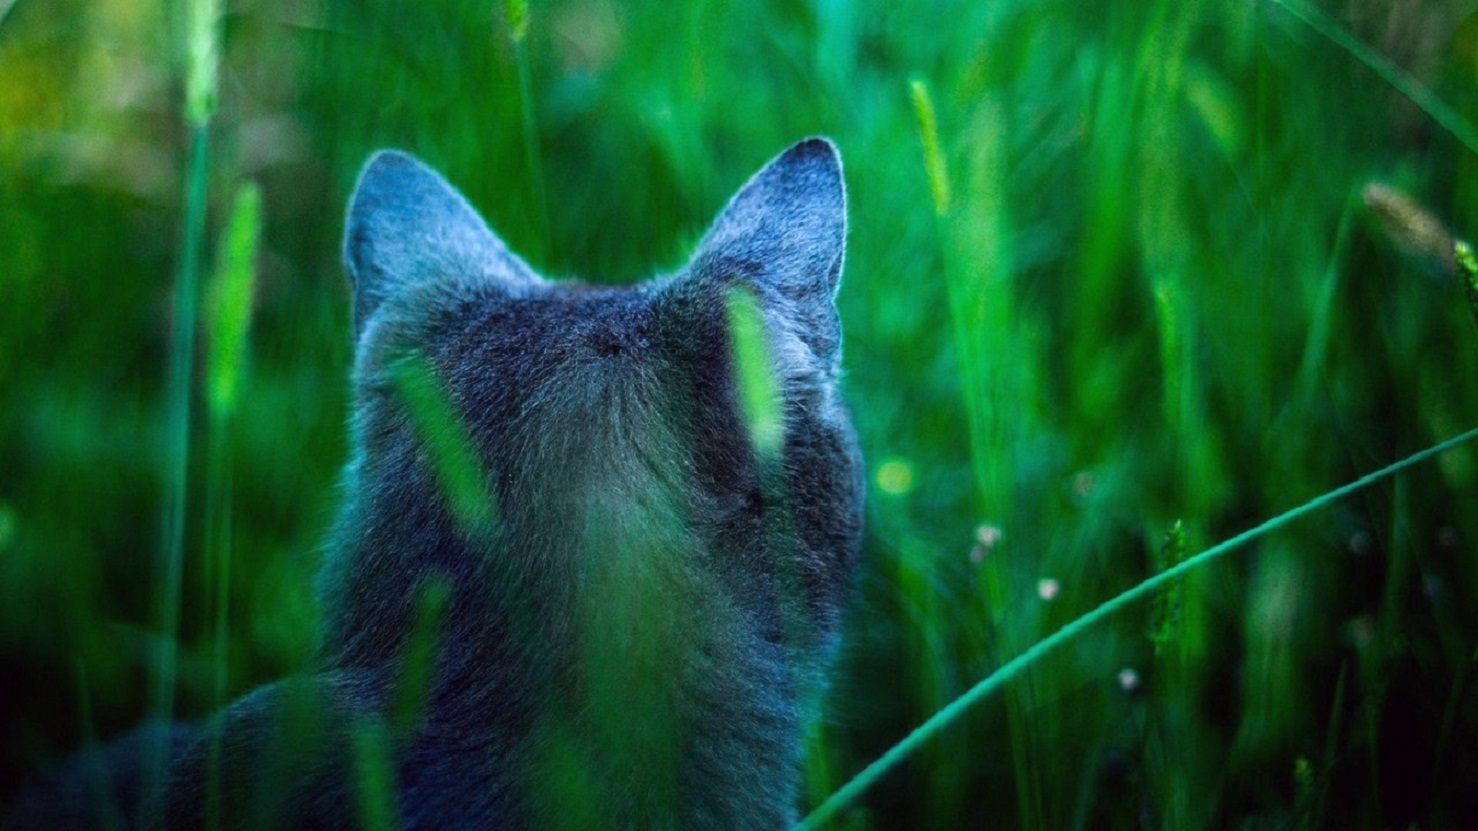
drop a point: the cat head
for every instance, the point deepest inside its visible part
(783, 235)
(609, 412)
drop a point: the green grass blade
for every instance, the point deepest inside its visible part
(447, 440)
(1437, 109)
(517, 12)
(418, 660)
(201, 39)
(993, 682)
(374, 778)
(759, 395)
(1467, 270)
(231, 301)
(923, 107)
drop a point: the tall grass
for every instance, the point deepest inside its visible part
(230, 305)
(945, 717)
(1106, 271)
(200, 38)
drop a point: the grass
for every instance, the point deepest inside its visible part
(947, 716)
(1110, 267)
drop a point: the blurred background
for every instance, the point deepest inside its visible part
(1112, 267)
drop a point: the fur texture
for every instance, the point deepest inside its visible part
(634, 637)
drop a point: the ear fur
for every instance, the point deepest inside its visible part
(407, 226)
(785, 233)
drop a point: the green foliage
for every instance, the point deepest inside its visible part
(1165, 614)
(1467, 269)
(447, 441)
(230, 301)
(1105, 270)
(374, 778)
(923, 107)
(418, 659)
(759, 395)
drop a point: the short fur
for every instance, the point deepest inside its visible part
(636, 638)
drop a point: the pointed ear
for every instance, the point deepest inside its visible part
(785, 233)
(407, 226)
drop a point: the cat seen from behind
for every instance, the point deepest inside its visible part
(580, 579)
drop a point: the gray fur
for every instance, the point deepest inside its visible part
(637, 641)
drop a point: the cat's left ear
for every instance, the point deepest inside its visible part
(407, 226)
(785, 234)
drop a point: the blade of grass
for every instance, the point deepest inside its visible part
(1467, 270)
(518, 29)
(993, 682)
(374, 778)
(201, 35)
(759, 395)
(1317, 342)
(973, 231)
(1403, 82)
(453, 455)
(418, 661)
(230, 320)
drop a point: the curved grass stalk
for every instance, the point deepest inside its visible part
(869, 775)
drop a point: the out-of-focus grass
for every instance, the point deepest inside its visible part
(1149, 297)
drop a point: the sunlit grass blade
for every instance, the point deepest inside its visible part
(928, 124)
(1467, 270)
(993, 682)
(231, 302)
(1409, 223)
(762, 407)
(759, 394)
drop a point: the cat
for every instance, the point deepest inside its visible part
(574, 583)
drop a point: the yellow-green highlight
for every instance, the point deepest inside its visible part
(928, 124)
(1467, 269)
(759, 395)
(231, 302)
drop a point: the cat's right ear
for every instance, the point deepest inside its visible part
(784, 233)
(407, 226)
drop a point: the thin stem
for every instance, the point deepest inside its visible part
(182, 364)
(942, 719)
(532, 155)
